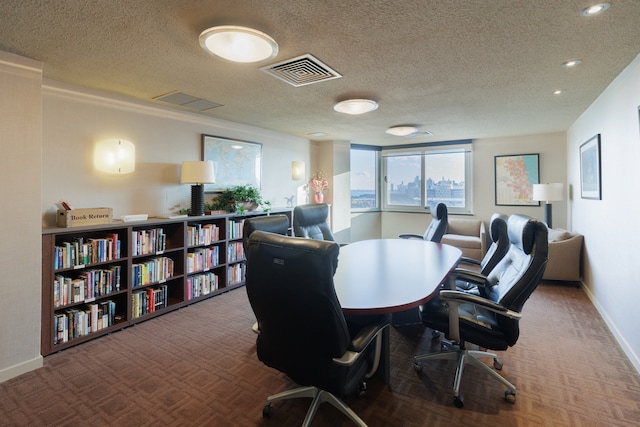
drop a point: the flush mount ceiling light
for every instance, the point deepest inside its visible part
(238, 44)
(401, 130)
(573, 63)
(355, 106)
(595, 9)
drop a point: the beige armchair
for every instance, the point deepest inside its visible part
(565, 256)
(468, 235)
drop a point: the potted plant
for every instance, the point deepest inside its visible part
(239, 199)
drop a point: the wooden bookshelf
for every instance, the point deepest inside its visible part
(103, 278)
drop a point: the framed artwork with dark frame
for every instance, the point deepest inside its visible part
(590, 169)
(235, 162)
(514, 179)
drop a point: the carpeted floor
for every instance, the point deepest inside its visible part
(197, 367)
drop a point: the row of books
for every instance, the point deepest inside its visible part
(151, 271)
(235, 229)
(201, 284)
(202, 234)
(236, 273)
(78, 322)
(235, 252)
(88, 286)
(80, 252)
(201, 259)
(148, 241)
(149, 300)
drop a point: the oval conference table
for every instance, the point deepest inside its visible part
(385, 276)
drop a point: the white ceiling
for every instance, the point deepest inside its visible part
(458, 68)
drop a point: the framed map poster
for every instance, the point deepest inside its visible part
(234, 162)
(514, 179)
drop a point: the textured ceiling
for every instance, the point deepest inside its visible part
(458, 68)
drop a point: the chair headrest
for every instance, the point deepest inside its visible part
(522, 232)
(498, 226)
(311, 214)
(278, 224)
(440, 212)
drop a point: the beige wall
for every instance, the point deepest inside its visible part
(552, 150)
(75, 119)
(611, 254)
(20, 166)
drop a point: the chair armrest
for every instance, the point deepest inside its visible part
(361, 341)
(483, 239)
(469, 276)
(467, 260)
(410, 236)
(463, 297)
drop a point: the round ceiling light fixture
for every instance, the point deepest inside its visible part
(356, 106)
(402, 130)
(238, 44)
(595, 9)
(573, 63)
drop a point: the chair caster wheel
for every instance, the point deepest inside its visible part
(510, 396)
(497, 363)
(266, 411)
(458, 402)
(417, 366)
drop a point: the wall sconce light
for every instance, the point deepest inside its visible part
(297, 170)
(116, 156)
(548, 193)
(197, 173)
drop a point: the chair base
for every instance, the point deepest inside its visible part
(319, 397)
(468, 357)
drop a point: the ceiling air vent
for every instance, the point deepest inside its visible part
(187, 101)
(301, 71)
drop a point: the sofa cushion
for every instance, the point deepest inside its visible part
(462, 241)
(558, 235)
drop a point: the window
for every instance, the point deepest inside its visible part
(364, 177)
(421, 176)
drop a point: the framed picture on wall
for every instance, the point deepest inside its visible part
(234, 162)
(514, 179)
(590, 179)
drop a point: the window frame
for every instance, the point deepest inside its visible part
(423, 150)
(377, 180)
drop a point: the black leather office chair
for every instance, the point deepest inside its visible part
(490, 322)
(437, 227)
(468, 280)
(303, 332)
(310, 221)
(278, 224)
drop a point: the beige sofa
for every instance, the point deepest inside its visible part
(565, 256)
(467, 234)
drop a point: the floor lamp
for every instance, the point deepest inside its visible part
(548, 193)
(197, 173)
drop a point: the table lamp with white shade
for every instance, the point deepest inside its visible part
(197, 173)
(548, 193)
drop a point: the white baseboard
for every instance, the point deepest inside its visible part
(21, 368)
(633, 357)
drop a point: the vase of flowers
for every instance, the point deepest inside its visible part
(318, 184)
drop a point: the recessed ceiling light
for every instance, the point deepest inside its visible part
(355, 106)
(238, 44)
(573, 63)
(318, 134)
(558, 92)
(401, 130)
(595, 9)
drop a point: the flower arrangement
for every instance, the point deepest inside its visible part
(318, 183)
